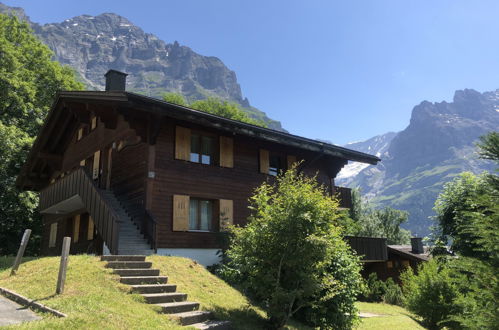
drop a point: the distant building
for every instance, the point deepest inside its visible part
(388, 261)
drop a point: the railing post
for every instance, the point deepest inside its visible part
(63, 265)
(20, 252)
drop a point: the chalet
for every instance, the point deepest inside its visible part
(123, 173)
(388, 261)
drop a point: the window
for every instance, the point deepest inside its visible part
(275, 164)
(202, 149)
(79, 136)
(200, 214)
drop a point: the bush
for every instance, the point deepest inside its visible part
(431, 294)
(374, 289)
(291, 255)
(393, 293)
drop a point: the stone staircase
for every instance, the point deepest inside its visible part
(136, 272)
(131, 241)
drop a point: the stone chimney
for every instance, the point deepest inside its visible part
(417, 245)
(115, 80)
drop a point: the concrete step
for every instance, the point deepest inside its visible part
(188, 318)
(128, 264)
(143, 279)
(213, 324)
(123, 258)
(137, 272)
(144, 252)
(179, 307)
(154, 288)
(159, 298)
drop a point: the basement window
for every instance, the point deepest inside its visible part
(200, 214)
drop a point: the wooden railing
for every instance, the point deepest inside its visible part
(344, 196)
(148, 228)
(80, 183)
(369, 248)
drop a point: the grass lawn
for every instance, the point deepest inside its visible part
(93, 298)
(393, 317)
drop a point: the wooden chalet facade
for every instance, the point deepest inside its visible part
(122, 173)
(388, 261)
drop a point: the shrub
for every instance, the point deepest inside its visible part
(374, 289)
(393, 293)
(291, 255)
(431, 294)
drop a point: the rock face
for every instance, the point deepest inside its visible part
(94, 44)
(436, 146)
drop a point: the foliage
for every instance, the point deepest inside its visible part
(175, 99)
(393, 293)
(431, 293)
(374, 289)
(291, 255)
(29, 80)
(453, 207)
(384, 222)
(215, 106)
(17, 209)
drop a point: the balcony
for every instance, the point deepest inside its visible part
(344, 196)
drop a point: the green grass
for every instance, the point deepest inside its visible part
(391, 317)
(93, 297)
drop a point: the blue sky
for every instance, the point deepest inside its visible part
(335, 70)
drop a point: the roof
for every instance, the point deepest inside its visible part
(406, 250)
(159, 108)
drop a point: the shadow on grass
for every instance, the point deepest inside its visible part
(28, 306)
(415, 318)
(6, 262)
(242, 318)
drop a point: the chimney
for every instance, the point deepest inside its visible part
(417, 245)
(115, 80)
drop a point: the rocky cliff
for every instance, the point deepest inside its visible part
(438, 144)
(94, 44)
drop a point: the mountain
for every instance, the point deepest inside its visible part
(94, 44)
(438, 144)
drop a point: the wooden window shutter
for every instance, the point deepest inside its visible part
(53, 235)
(226, 151)
(182, 143)
(76, 228)
(93, 123)
(80, 134)
(95, 168)
(90, 232)
(264, 161)
(180, 213)
(291, 160)
(226, 214)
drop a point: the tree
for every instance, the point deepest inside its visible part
(432, 294)
(29, 80)
(384, 222)
(175, 99)
(468, 219)
(215, 106)
(291, 255)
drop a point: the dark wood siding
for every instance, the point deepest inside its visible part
(213, 182)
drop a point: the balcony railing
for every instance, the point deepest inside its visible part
(369, 248)
(80, 184)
